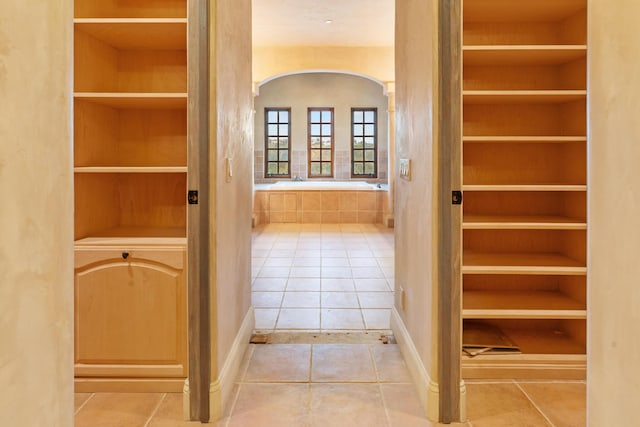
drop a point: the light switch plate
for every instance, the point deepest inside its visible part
(228, 169)
(405, 169)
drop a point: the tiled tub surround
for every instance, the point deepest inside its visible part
(334, 204)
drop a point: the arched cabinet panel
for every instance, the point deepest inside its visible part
(130, 313)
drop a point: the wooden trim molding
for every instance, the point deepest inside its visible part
(198, 214)
(449, 216)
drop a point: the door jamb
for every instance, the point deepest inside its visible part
(449, 215)
(198, 269)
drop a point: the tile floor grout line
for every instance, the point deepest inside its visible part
(373, 362)
(535, 405)
(384, 405)
(233, 405)
(311, 363)
(83, 404)
(155, 410)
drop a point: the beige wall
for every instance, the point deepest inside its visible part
(614, 213)
(36, 214)
(340, 91)
(415, 209)
(376, 62)
(232, 139)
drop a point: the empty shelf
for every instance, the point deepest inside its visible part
(524, 187)
(522, 55)
(520, 263)
(520, 305)
(136, 100)
(478, 222)
(130, 169)
(524, 139)
(522, 96)
(137, 33)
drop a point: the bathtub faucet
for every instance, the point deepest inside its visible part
(296, 178)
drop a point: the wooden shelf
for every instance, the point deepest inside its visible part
(486, 222)
(524, 172)
(546, 187)
(522, 96)
(522, 10)
(524, 139)
(491, 55)
(130, 9)
(137, 33)
(148, 101)
(520, 263)
(520, 305)
(131, 169)
(131, 236)
(130, 80)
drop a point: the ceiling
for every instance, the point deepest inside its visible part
(302, 22)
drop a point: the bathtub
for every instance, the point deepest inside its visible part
(321, 186)
(320, 202)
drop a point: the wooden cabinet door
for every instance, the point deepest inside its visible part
(130, 314)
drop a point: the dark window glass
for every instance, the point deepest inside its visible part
(320, 131)
(364, 146)
(277, 128)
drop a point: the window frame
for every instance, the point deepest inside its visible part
(353, 162)
(267, 110)
(310, 110)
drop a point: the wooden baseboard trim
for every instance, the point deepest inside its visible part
(220, 390)
(533, 369)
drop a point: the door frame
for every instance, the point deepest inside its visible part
(449, 214)
(198, 210)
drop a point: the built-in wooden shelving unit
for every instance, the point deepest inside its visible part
(130, 164)
(524, 182)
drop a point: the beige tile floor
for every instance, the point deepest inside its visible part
(324, 278)
(351, 385)
(316, 278)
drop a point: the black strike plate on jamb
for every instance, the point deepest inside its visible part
(192, 197)
(456, 197)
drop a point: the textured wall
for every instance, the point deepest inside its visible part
(376, 62)
(415, 214)
(340, 91)
(614, 213)
(36, 214)
(233, 113)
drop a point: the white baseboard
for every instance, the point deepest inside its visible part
(220, 390)
(428, 389)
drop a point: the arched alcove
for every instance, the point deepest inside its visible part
(320, 88)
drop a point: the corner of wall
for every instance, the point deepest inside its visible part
(428, 389)
(220, 389)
